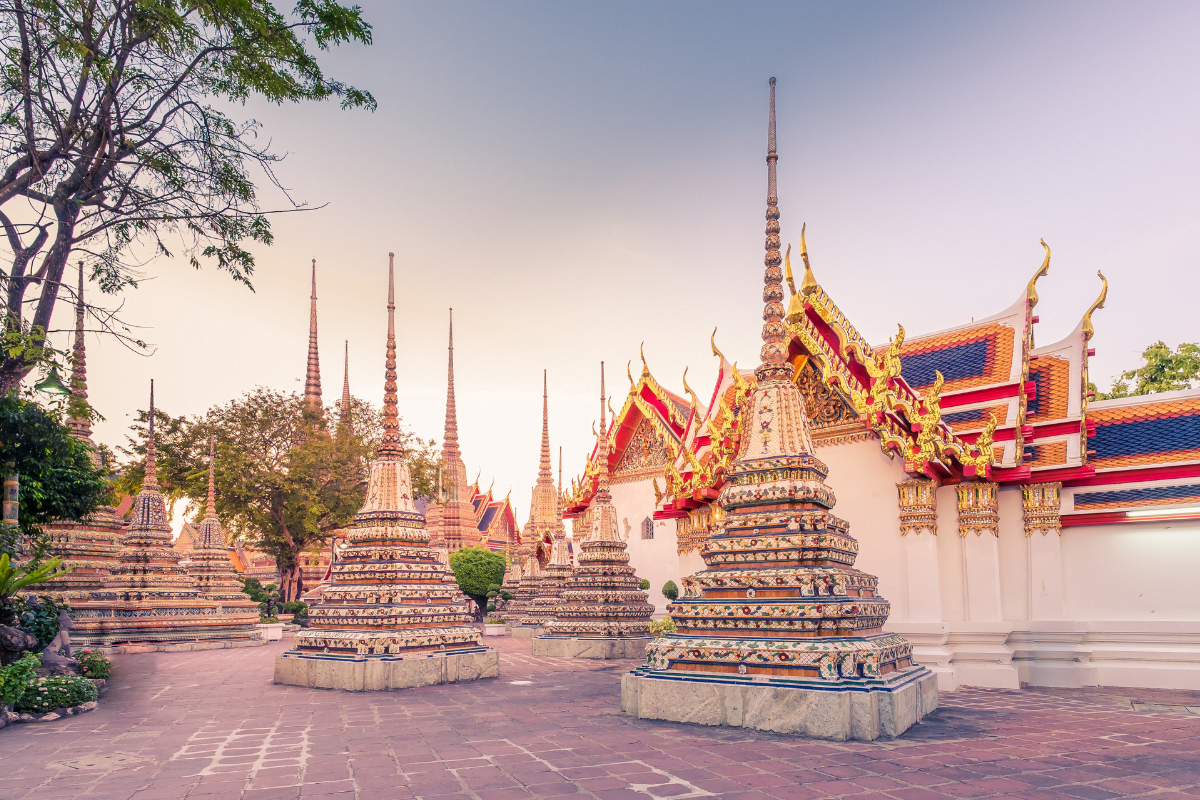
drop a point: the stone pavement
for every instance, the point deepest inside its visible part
(211, 726)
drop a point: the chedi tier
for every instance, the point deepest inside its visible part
(388, 620)
(780, 632)
(603, 613)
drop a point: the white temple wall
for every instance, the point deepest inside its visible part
(950, 556)
(1014, 556)
(1133, 571)
(864, 481)
(657, 559)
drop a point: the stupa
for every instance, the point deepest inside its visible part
(780, 632)
(603, 613)
(388, 619)
(531, 578)
(541, 607)
(150, 602)
(88, 548)
(213, 571)
(510, 584)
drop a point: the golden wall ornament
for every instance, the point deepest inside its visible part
(918, 506)
(1041, 504)
(978, 508)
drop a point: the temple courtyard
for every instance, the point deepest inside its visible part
(212, 725)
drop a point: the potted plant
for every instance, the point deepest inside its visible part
(493, 627)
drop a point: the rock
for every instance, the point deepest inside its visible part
(48, 717)
(14, 641)
(89, 706)
(56, 669)
(25, 718)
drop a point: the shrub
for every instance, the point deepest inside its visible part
(38, 619)
(491, 607)
(645, 584)
(493, 589)
(670, 590)
(495, 621)
(264, 620)
(16, 678)
(661, 627)
(93, 664)
(506, 595)
(296, 607)
(62, 691)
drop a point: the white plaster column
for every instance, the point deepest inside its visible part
(1043, 531)
(978, 522)
(918, 526)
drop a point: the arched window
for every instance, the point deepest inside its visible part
(647, 528)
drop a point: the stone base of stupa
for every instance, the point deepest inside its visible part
(591, 647)
(179, 647)
(380, 673)
(523, 631)
(859, 709)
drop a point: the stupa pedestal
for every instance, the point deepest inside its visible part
(602, 613)
(780, 633)
(522, 598)
(389, 619)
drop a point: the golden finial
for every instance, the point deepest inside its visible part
(688, 389)
(1031, 291)
(1088, 330)
(713, 341)
(612, 413)
(787, 269)
(642, 352)
(493, 483)
(809, 284)
(629, 373)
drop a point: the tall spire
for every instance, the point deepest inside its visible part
(450, 441)
(390, 446)
(211, 511)
(81, 428)
(151, 479)
(312, 377)
(344, 412)
(544, 469)
(602, 450)
(774, 333)
(560, 467)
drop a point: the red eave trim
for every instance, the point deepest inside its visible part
(1119, 517)
(1044, 430)
(1068, 475)
(1011, 475)
(981, 395)
(1138, 474)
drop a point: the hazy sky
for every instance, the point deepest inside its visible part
(577, 178)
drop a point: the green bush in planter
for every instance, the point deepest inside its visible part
(670, 590)
(62, 691)
(645, 584)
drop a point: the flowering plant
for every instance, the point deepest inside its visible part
(93, 664)
(16, 678)
(62, 691)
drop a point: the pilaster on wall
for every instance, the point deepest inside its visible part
(978, 525)
(1043, 528)
(918, 526)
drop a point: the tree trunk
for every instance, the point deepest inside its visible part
(291, 582)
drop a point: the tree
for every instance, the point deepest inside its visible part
(1162, 371)
(670, 590)
(115, 149)
(477, 570)
(58, 479)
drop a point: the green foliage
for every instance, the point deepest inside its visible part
(661, 627)
(93, 664)
(116, 139)
(14, 578)
(265, 620)
(297, 608)
(255, 589)
(38, 619)
(1162, 370)
(670, 590)
(61, 691)
(495, 621)
(491, 606)
(476, 569)
(16, 678)
(58, 479)
(644, 584)
(506, 595)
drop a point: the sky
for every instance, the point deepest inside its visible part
(576, 179)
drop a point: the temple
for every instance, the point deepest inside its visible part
(779, 632)
(149, 601)
(388, 620)
(1062, 504)
(602, 612)
(88, 548)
